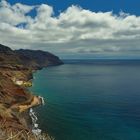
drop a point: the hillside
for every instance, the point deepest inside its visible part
(16, 68)
(26, 58)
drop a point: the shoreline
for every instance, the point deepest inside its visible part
(16, 71)
(15, 117)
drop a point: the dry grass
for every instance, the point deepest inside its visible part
(10, 134)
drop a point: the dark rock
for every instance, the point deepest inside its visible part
(26, 59)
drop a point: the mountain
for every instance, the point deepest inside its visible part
(41, 58)
(34, 59)
(16, 73)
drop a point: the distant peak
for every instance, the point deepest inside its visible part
(4, 48)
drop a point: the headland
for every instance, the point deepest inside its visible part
(16, 73)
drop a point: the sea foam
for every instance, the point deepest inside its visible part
(35, 125)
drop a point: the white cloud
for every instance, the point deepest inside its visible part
(15, 14)
(75, 30)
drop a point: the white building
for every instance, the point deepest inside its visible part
(19, 82)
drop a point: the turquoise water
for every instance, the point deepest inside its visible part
(90, 101)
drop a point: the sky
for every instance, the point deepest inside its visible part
(73, 28)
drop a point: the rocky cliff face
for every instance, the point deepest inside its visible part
(27, 58)
(15, 101)
(40, 58)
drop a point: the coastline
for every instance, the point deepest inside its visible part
(14, 116)
(15, 107)
(16, 74)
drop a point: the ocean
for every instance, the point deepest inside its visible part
(90, 100)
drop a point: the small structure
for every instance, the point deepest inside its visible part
(18, 82)
(22, 82)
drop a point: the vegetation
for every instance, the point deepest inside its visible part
(27, 84)
(8, 134)
(17, 67)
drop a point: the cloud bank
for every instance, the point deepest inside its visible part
(73, 31)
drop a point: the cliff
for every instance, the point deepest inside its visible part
(16, 69)
(40, 58)
(26, 59)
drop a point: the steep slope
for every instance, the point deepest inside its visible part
(41, 58)
(26, 58)
(16, 69)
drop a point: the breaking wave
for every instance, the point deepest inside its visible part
(35, 126)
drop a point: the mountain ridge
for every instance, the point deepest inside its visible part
(27, 58)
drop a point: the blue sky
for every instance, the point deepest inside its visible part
(73, 28)
(128, 6)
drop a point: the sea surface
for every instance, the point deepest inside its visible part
(90, 100)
